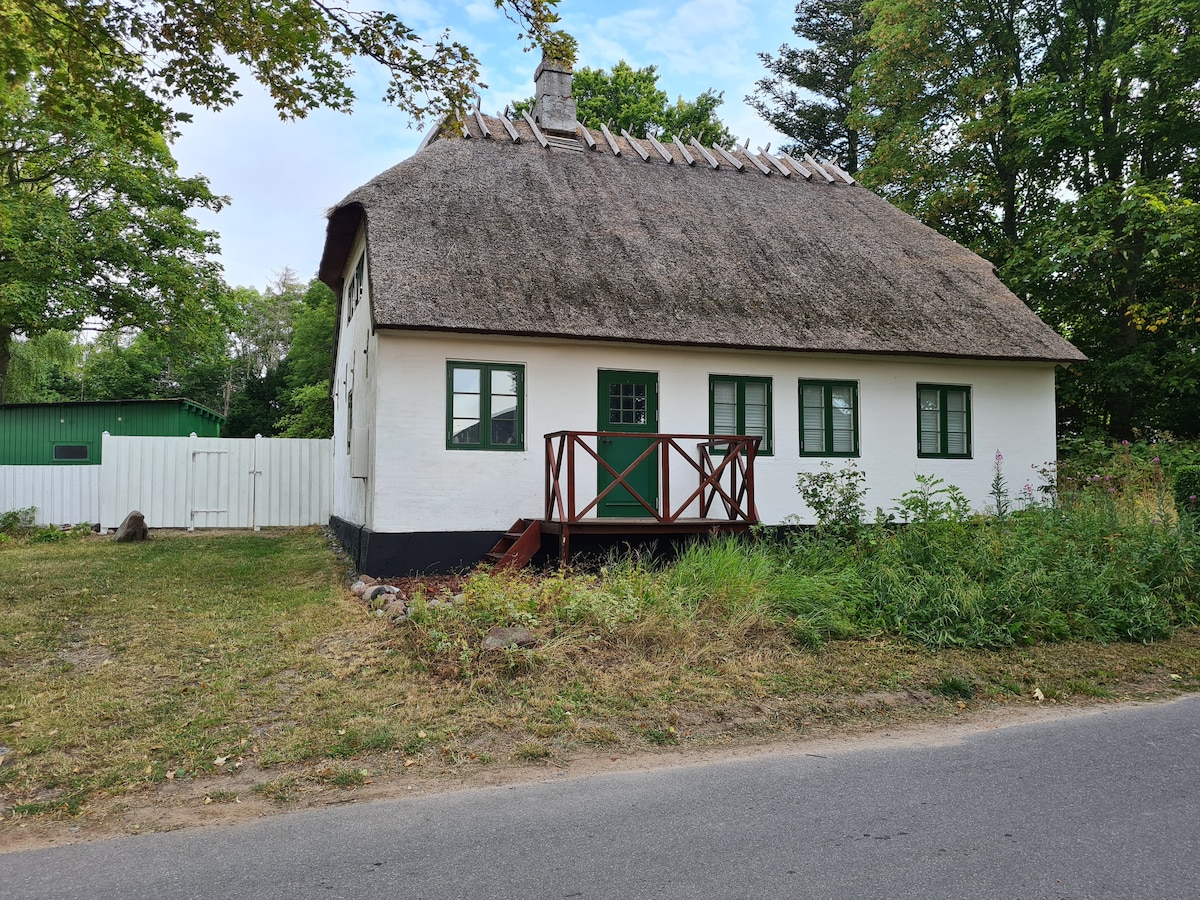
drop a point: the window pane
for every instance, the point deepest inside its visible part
(627, 404)
(956, 422)
(724, 407)
(465, 431)
(930, 433)
(504, 381)
(956, 440)
(504, 426)
(466, 381)
(756, 410)
(70, 451)
(466, 406)
(812, 418)
(756, 393)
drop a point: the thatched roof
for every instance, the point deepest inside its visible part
(482, 234)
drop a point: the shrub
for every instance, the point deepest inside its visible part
(1186, 485)
(17, 520)
(835, 496)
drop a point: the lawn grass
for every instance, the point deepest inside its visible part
(242, 657)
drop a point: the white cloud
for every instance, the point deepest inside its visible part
(481, 12)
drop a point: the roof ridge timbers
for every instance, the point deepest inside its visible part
(758, 163)
(776, 163)
(817, 167)
(840, 172)
(708, 157)
(687, 157)
(537, 132)
(484, 130)
(587, 135)
(662, 151)
(510, 128)
(641, 151)
(430, 135)
(612, 141)
(800, 170)
(729, 157)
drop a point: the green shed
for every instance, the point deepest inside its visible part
(47, 434)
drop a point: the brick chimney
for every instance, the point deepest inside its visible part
(555, 110)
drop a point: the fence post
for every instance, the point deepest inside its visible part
(255, 471)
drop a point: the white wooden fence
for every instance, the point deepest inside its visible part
(183, 482)
(61, 494)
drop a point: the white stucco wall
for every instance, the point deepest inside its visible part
(420, 485)
(354, 372)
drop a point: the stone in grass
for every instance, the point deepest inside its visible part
(133, 528)
(500, 637)
(379, 590)
(7, 756)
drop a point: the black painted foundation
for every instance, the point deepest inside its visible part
(393, 554)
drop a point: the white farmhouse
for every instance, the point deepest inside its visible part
(521, 278)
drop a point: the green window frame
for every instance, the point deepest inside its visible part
(741, 404)
(944, 421)
(485, 406)
(828, 417)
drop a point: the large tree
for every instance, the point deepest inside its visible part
(94, 223)
(809, 92)
(1060, 140)
(93, 215)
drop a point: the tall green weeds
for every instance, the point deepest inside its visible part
(1106, 560)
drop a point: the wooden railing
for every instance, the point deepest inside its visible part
(723, 464)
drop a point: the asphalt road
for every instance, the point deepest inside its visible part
(1103, 805)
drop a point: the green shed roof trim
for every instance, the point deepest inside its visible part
(186, 404)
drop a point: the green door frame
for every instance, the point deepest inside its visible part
(627, 401)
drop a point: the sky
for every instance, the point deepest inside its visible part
(281, 177)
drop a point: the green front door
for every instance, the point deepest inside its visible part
(628, 402)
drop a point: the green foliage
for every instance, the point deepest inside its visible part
(560, 47)
(1186, 486)
(956, 687)
(16, 521)
(932, 500)
(94, 223)
(43, 368)
(835, 496)
(301, 52)
(1060, 142)
(311, 414)
(628, 98)
(94, 217)
(809, 92)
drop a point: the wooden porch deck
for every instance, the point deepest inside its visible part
(722, 466)
(639, 525)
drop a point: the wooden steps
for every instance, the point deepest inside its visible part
(517, 546)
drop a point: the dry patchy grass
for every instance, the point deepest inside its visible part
(240, 663)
